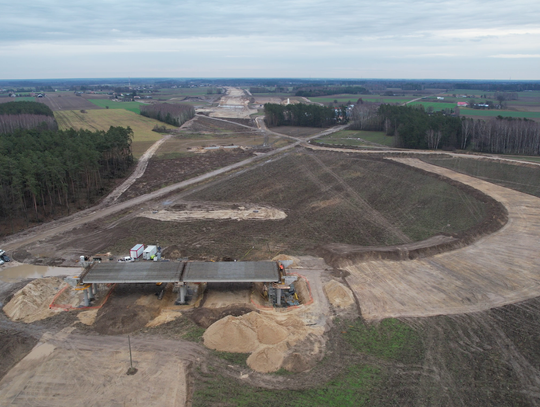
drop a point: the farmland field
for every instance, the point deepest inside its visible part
(66, 101)
(102, 119)
(103, 103)
(435, 105)
(495, 113)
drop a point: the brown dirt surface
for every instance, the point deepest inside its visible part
(338, 295)
(160, 173)
(205, 317)
(129, 309)
(14, 346)
(67, 102)
(203, 124)
(297, 131)
(68, 369)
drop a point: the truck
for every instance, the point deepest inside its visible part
(149, 252)
(136, 251)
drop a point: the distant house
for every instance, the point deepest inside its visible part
(440, 98)
(462, 104)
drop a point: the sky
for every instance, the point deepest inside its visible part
(437, 39)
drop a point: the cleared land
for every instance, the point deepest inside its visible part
(66, 101)
(523, 178)
(499, 269)
(102, 119)
(358, 138)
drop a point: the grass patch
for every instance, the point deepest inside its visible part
(352, 388)
(495, 113)
(193, 334)
(234, 358)
(350, 137)
(520, 178)
(131, 106)
(391, 339)
(102, 119)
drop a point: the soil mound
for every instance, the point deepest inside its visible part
(129, 309)
(31, 303)
(205, 317)
(171, 252)
(270, 338)
(338, 295)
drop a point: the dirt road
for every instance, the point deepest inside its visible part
(499, 269)
(139, 171)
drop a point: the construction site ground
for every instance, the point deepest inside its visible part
(440, 269)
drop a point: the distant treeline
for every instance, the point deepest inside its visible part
(46, 172)
(298, 114)
(412, 127)
(175, 115)
(26, 115)
(330, 90)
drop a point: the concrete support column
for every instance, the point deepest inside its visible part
(181, 300)
(278, 293)
(90, 292)
(86, 300)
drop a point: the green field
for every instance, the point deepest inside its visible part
(357, 138)
(131, 106)
(435, 105)
(495, 113)
(518, 177)
(102, 119)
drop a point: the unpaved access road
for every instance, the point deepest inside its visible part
(139, 171)
(501, 268)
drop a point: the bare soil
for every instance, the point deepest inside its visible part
(14, 346)
(297, 131)
(67, 102)
(161, 173)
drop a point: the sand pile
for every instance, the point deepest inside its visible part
(165, 316)
(270, 339)
(338, 295)
(31, 303)
(88, 317)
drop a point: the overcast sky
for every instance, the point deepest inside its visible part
(457, 39)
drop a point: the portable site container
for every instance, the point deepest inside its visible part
(136, 251)
(149, 252)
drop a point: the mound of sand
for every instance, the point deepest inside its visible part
(164, 317)
(88, 317)
(31, 303)
(338, 295)
(269, 338)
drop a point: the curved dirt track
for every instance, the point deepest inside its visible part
(499, 269)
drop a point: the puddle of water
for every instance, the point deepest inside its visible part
(18, 273)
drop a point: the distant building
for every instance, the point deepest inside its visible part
(462, 104)
(440, 98)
